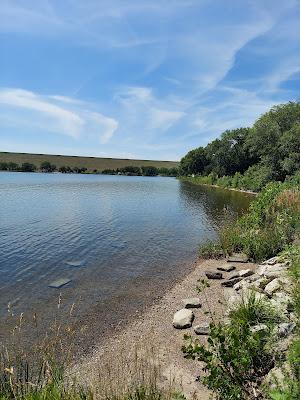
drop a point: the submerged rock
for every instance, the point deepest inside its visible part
(192, 302)
(183, 319)
(213, 275)
(59, 283)
(202, 329)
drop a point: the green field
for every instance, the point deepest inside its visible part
(91, 163)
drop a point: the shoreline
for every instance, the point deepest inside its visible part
(221, 187)
(153, 327)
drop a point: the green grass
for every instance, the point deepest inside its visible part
(91, 163)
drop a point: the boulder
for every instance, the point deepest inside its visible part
(282, 301)
(202, 329)
(238, 257)
(273, 286)
(243, 284)
(59, 283)
(226, 268)
(192, 302)
(285, 329)
(244, 273)
(274, 271)
(231, 282)
(234, 275)
(213, 275)
(183, 319)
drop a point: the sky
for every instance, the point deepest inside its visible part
(141, 79)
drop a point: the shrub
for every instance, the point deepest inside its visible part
(210, 249)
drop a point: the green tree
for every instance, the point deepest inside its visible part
(149, 170)
(194, 162)
(28, 167)
(46, 166)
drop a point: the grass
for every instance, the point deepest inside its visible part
(273, 221)
(91, 163)
(45, 369)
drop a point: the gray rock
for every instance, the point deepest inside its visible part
(271, 261)
(274, 271)
(75, 264)
(244, 283)
(259, 328)
(226, 268)
(238, 257)
(282, 301)
(273, 286)
(213, 275)
(192, 302)
(244, 273)
(231, 282)
(183, 319)
(233, 275)
(202, 329)
(285, 329)
(59, 283)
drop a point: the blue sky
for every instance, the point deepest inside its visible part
(141, 79)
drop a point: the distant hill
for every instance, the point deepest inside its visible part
(91, 163)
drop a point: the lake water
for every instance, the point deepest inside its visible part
(127, 238)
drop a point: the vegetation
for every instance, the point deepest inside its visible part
(90, 163)
(273, 221)
(249, 158)
(142, 171)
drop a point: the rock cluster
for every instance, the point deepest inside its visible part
(268, 281)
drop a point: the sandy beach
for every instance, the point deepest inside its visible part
(152, 336)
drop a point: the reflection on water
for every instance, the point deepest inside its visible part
(102, 232)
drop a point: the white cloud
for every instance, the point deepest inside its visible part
(73, 118)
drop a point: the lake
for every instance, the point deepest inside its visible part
(119, 240)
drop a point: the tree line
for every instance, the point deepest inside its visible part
(142, 171)
(46, 166)
(253, 156)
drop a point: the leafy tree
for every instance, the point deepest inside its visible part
(46, 166)
(194, 162)
(149, 171)
(11, 166)
(3, 166)
(28, 167)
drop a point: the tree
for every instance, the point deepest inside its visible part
(194, 162)
(28, 167)
(149, 171)
(46, 166)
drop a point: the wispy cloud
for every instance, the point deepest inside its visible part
(73, 119)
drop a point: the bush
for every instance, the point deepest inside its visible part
(28, 167)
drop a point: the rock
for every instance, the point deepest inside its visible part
(260, 270)
(246, 272)
(226, 268)
(243, 284)
(234, 275)
(59, 283)
(285, 329)
(282, 301)
(202, 329)
(275, 377)
(183, 319)
(213, 275)
(231, 282)
(238, 257)
(274, 271)
(271, 261)
(192, 302)
(75, 264)
(273, 286)
(259, 328)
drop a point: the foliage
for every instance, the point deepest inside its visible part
(210, 249)
(249, 158)
(273, 222)
(28, 167)
(46, 166)
(235, 359)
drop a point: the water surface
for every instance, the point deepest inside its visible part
(125, 236)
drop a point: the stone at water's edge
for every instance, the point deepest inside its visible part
(183, 319)
(231, 282)
(202, 329)
(226, 268)
(213, 275)
(193, 302)
(239, 257)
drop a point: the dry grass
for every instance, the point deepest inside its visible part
(91, 163)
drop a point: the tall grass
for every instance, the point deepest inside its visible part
(45, 368)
